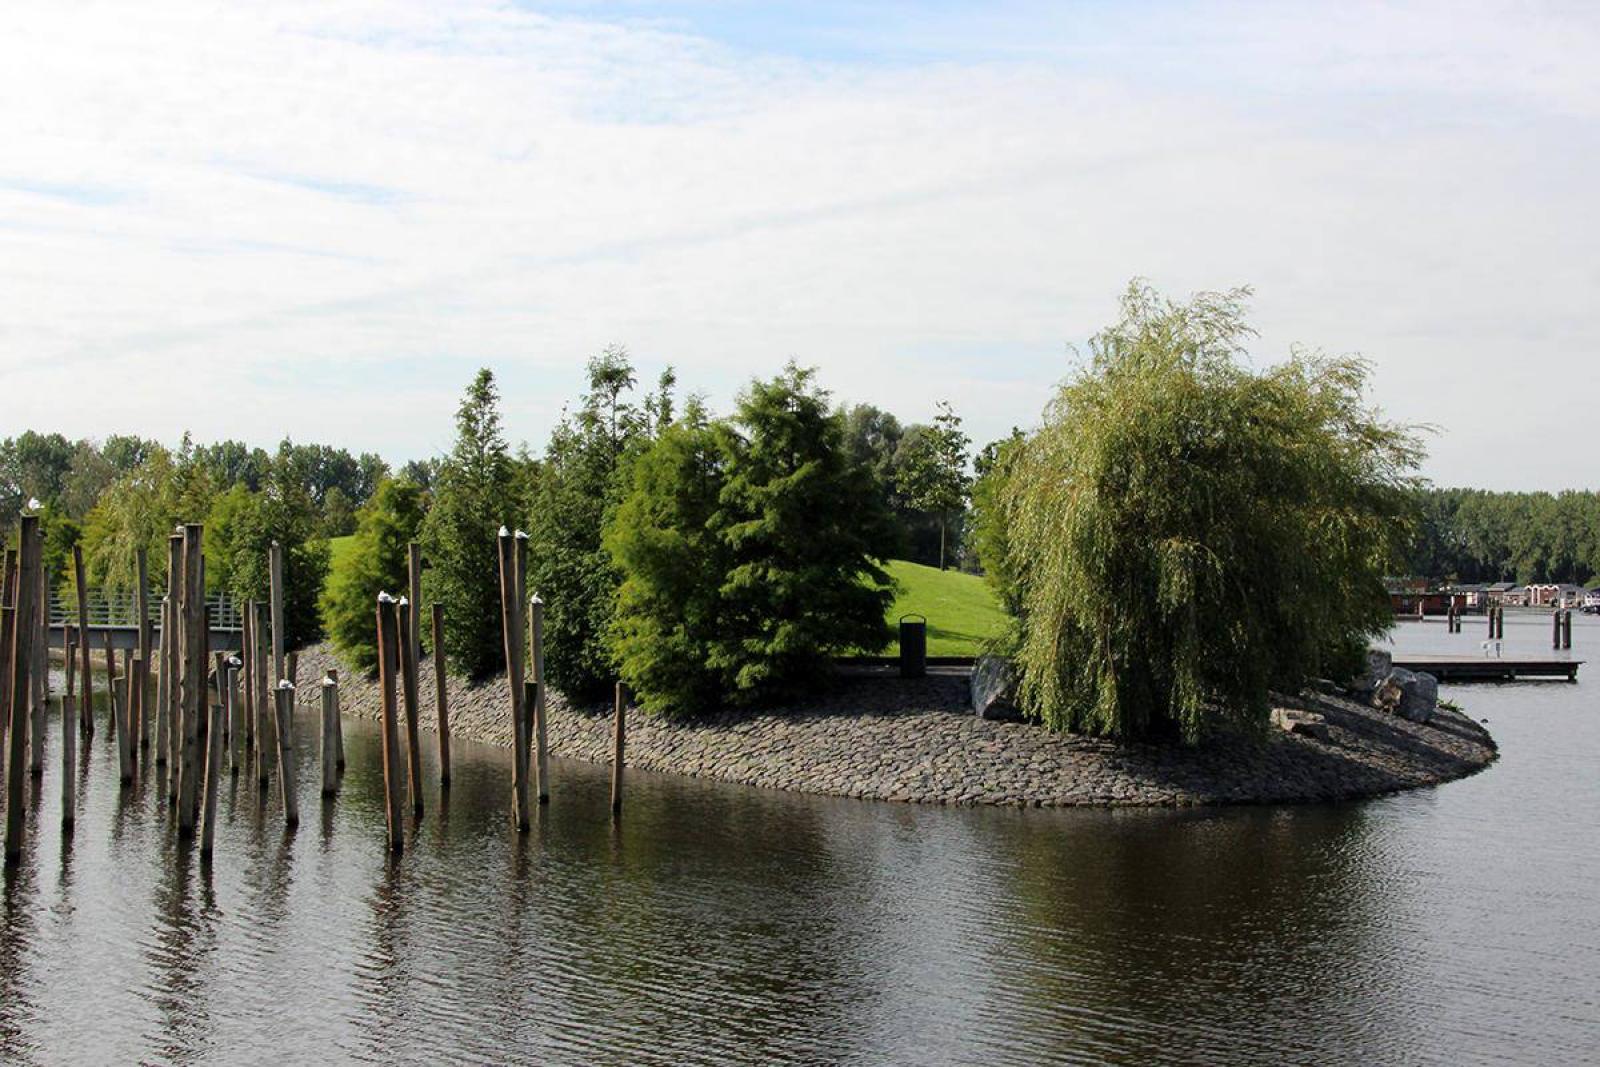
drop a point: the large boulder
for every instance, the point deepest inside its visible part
(994, 690)
(1411, 695)
(1379, 665)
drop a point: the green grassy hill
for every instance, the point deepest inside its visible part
(962, 610)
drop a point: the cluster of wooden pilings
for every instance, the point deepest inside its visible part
(212, 712)
(1561, 629)
(1497, 623)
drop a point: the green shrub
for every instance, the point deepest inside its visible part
(374, 562)
(1188, 535)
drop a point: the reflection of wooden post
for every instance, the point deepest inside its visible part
(286, 760)
(541, 755)
(112, 710)
(618, 736)
(441, 702)
(338, 718)
(275, 576)
(513, 650)
(330, 743)
(388, 665)
(408, 691)
(24, 590)
(85, 683)
(142, 603)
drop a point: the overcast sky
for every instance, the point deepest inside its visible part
(319, 219)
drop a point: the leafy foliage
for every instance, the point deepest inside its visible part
(1188, 535)
(749, 551)
(931, 474)
(374, 563)
(283, 512)
(473, 490)
(991, 527)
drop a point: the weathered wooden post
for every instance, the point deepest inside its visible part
(441, 701)
(330, 742)
(266, 748)
(1566, 629)
(39, 670)
(1500, 623)
(21, 662)
(275, 576)
(414, 598)
(513, 651)
(408, 690)
(338, 720)
(164, 685)
(541, 754)
(388, 667)
(113, 712)
(86, 684)
(191, 680)
(146, 641)
(69, 754)
(286, 759)
(618, 740)
(214, 733)
(247, 689)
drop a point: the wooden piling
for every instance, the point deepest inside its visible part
(618, 742)
(408, 690)
(122, 706)
(191, 680)
(541, 750)
(39, 670)
(338, 721)
(21, 663)
(388, 667)
(146, 638)
(1566, 629)
(214, 742)
(163, 685)
(85, 682)
(1555, 639)
(330, 742)
(1500, 623)
(112, 711)
(513, 653)
(266, 748)
(8, 592)
(248, 689)
(284, 704)
(275, 577)
(441, 701)
(237, 731)
(69, 755)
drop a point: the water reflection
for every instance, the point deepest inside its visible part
(718, 924)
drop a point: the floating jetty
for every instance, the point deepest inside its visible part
(1491, 669)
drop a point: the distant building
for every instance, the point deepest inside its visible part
(1506, 594)
(1570, 596)
(1471, 597)
(1591, 602)
(1543, 594)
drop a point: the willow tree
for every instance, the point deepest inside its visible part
(1189, 535)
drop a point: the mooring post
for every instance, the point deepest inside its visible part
(237, 752)
(21, 663)
(513, 652)
(146, 638)
(618, 739)
(122, 709)
(275, 577)
(214, 734)
(85, 684)
(388, 666)
(338, 718)
(69, 755)
(266, 748)
(40, 669)
(408, 690)
(441, 701)
(247, 689)
(1555, 619)
(286, 760)
(164, 684)
(1566, 629)
(330, 744)
(541, 753)
(1500, 623)
(191, 680)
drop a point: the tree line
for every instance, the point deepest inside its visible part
(1472, 535)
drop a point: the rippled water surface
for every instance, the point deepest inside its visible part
(721, 924)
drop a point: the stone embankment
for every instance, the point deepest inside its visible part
(879, 737)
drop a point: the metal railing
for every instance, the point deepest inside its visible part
(121, 608)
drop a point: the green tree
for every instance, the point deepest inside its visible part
(991, 527)
(375, 563)
(338, 513)
(472, 494)
(932, 473)
(1190, 535)
(136, 511)
(581, 481)
(283, 512)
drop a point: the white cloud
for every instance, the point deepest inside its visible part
(316, 219)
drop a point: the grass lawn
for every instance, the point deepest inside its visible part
(962, 610)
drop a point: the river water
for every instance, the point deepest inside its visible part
(723, 924)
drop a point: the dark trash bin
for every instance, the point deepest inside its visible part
(913, 646)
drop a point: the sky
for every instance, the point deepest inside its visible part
(317, 220)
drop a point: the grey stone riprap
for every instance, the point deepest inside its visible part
(1379, 664)
(1411, 695)
(882, 737)
(993, 687)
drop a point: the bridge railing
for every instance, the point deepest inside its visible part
(121, 608)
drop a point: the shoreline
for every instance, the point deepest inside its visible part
(875, 736)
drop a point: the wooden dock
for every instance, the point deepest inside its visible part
(1490, 669)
